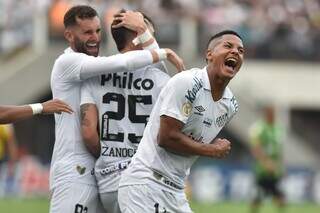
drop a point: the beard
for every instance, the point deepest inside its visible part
(81, 47)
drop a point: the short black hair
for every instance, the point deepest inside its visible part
(79, 11)
(122, 35)
(222, 33)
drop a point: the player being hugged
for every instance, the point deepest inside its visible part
(119, 105)
(191, 110)
(72, 182)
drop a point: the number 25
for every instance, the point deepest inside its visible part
(120, 113)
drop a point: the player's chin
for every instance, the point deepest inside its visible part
(93, 51)
(229, 74)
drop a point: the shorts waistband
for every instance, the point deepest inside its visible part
(166, 181)
(115, 167)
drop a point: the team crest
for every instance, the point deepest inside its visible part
(186, 109)
(222, 120)
(81, 170)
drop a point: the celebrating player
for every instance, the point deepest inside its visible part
(9, 114)
(72, 181)
(122, 103)
(191, 110)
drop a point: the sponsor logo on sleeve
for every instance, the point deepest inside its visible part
(222, 120)
(191, 94)
(234, 104)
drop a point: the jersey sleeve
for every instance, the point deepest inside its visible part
(174, 101)
(160, 65)
(79, 66)
(234, 108)
(129, 61)
(87, 89)
(67, 67)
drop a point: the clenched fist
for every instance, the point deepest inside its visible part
(220, 148)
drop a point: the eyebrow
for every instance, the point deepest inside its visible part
(233, 44)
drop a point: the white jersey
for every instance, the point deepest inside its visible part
(124, 101)
(187, 98)
(71, 162)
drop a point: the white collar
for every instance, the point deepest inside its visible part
(227, 94)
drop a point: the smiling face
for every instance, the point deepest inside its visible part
(85, 36)
(225, 55)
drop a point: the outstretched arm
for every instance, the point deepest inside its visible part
(9, 114)
(89, 126)
(132, 60)
(172, 139)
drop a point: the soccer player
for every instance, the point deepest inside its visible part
(72, 180)
(189, 113)
(121, 103)
(266, 148)
(10, 114)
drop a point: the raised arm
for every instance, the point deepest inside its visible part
(137, 22)
(9, 114)
(172, 139)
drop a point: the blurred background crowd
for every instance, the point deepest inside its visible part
(282, 40)
(281, 29)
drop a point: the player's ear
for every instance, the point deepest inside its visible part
(209, 55)
(68, 35)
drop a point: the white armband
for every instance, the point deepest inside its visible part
(36, 108)
(143, 38)
(162, 54)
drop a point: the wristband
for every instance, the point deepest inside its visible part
(162, 54)
(143, 38)
(36, 108)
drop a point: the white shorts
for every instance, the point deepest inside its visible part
(147, 198)
(75, 198)
(109, 201)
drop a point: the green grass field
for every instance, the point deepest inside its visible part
(42, 206)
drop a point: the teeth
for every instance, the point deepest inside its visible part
(232, 59)
(92, 45)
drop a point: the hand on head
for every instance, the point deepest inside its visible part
(130, 20)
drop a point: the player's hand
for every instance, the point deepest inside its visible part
(175, 59)
(55, 106)
(130, 20)
(220, 148)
